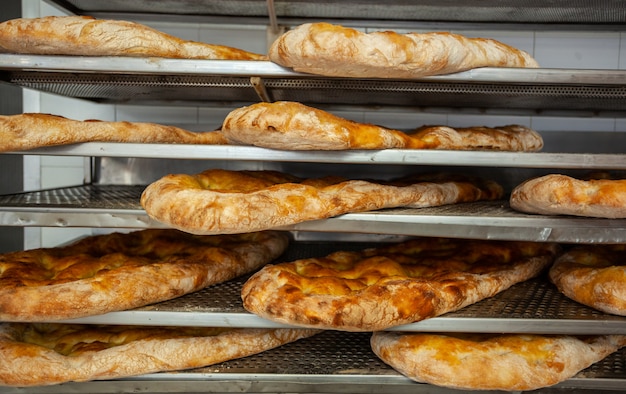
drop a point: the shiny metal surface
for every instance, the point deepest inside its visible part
(228, 83)
(97, 206)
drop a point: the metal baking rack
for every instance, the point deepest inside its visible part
(340, 362)
(118, 206)
(236, 83)
(329, 362)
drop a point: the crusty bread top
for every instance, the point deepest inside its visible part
(333, 50)
(87, 36)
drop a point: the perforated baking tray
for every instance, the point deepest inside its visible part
(329, 362)
(503, 11)
(118, 206)
(219, 82)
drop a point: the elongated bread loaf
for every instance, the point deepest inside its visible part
(29, 131)
(87, 36)
(294, 126)
(333, 50)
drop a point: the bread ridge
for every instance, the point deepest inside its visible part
(88, 36)
(338, 51)
(509, 362)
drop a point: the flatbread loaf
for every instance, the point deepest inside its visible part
(294, 126)
(337, 51)
(87, 36)
(557, 194)
(117, 271)
(594, 275)
(45, 353)
(222, 201)
(378, 288)
(32, 130)
(510, 362)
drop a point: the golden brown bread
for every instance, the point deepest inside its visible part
(87, 36)
(295, 126)
(557, 194)
(31, 130)
(509, 362)
(112, 272)
(46, 354)
(594, 275)
(333, 50)
(222, 201)
(378, 288)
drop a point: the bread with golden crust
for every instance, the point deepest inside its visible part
(593, 275)
(34, 130)
(294, 126)
(220, 201)
(338, 51)
(379, 288)
(39, 354)
(118, 271)
(557, 194)
(88, 36)
(509, 362)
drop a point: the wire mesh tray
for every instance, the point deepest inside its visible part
(221, 82)
(118, 206)
(531, 306)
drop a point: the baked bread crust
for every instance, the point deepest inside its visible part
(45, 353)
(87, 36)
(337, 51)
(379, 288)
(221, 201)
(33, 130)
(509, 362)
(294, 126)
(557, 194)
(118, 271)
(593, 275)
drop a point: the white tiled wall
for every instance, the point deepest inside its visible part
(552, 49)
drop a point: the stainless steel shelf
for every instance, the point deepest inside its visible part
(118, 206)
(221, 82)
(534, 306)
(329, 362)
(598, 161)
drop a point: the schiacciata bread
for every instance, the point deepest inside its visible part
(218, 201)
(558, 194)
(294, 126)
(33, 130)
(337, 51)
(88, 36)
(509, 362)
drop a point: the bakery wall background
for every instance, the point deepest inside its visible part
(553, 48)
